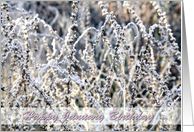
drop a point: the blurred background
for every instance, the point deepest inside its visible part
(57, 13)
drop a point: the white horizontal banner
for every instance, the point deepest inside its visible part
(92, 116)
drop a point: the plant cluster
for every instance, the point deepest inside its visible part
(115, 64)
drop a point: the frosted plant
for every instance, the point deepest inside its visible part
(91, 55)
